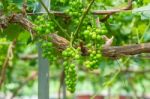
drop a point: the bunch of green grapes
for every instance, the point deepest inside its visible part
(44, 25)
(71, 52)
(70, 55)
(93, 60)
(42, 30)
(49, 51)
(94, 40)
(75, 10)
(70, 76)
(93, 33)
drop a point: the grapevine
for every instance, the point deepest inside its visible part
(71, 32)
(73, 55)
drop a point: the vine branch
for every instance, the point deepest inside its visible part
(17, 18)
(119, 51)
(24, 8)
(110, 51)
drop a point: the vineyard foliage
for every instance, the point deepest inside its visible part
(72, 40)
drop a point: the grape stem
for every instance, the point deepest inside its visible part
(82, 18)
(51, 15)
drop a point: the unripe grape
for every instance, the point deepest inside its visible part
(103, 31)
(64, 53)
(98, 37)
(77, 56)
(93, 35)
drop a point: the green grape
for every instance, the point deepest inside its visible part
(103, 31)
(77, 56)
(64, 53)
(93, 35)
(98, 37)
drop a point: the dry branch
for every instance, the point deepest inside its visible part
(28, 57)
(60, 42)
(119, 51)
(17, 18)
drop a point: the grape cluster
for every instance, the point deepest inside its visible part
(70, 76)
(46, 27)
(93, 60)
(48, 51)
(94, 33)
(70, 55)
(75, 10)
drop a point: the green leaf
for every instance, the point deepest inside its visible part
(147, 36)
(12, 31)
(24, 36)
(145, 10)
